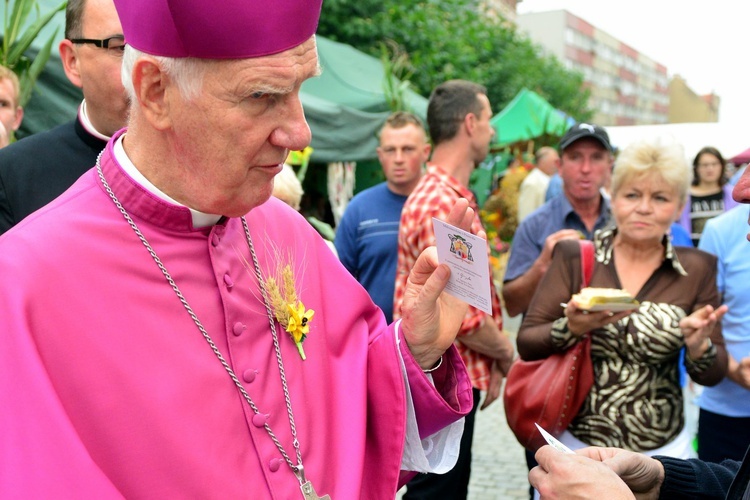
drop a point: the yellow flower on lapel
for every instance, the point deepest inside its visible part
(289, 311)
(299, 324)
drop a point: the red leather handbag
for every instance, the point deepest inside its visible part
(550, 391)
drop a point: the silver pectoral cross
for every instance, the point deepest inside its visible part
(309, 492)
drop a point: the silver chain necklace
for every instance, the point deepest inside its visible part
(308, 492)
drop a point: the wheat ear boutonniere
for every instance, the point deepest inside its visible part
(289, 311)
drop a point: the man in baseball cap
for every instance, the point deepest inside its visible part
(174, 333)
(583, 130)
(585, 165)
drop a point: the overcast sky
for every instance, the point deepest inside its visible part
(707, 43)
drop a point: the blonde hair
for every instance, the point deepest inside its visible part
(287, 187)
(9, 74)
(653, 157)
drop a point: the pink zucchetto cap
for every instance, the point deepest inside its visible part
(217, 29)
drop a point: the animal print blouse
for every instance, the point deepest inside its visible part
(636, 402)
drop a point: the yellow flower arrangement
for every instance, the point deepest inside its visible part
(499, 216)
(289, 311)
(299, 320)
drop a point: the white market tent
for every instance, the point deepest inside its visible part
(729, 138)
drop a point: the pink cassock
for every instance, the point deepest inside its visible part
(108, 388)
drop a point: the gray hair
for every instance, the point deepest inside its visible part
(186, 72)
(653, 157)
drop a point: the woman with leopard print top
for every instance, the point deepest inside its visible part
(636, 402)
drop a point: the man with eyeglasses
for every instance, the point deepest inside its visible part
(39, 168)
(367, 236)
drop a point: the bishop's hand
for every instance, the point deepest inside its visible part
(430, 318)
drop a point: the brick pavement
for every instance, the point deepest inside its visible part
(498, 467)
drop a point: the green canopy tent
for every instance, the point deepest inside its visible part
(346, 105)
(528, 116)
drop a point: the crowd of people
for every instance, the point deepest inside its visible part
(689, 321)
(175, 330)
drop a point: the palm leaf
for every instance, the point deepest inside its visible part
(21, 10)
(18, 48)
(36, 69)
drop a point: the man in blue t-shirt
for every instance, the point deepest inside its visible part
(367, 236)
(724, 421)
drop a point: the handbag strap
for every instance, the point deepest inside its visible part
(587, 261)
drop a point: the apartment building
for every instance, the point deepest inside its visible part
(685, 106)
(627, 87)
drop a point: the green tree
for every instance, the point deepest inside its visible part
(19, 32)
(447, 39)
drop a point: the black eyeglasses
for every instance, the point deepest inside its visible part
(114, 44)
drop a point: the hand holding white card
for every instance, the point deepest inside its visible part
(466, 255)
(552, 441)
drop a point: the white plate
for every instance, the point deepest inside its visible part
(613, 306)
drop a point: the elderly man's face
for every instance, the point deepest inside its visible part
(231, 140)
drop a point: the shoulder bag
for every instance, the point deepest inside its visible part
(550, 391)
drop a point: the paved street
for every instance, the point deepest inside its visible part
(498, 469)
(498, 466)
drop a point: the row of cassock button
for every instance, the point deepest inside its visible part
(259, 420)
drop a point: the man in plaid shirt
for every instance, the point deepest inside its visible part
(458, 117)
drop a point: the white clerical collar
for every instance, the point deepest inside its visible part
(199, 218)
(83, 116)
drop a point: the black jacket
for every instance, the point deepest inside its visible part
(695, 479)
(38, 168)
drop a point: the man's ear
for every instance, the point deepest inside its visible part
(150, 84)
(470, 122)
(69, 58)
(19, 118)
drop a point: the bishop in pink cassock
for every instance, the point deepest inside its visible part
(136, 349)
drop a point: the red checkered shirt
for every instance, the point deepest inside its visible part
(434, 196)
